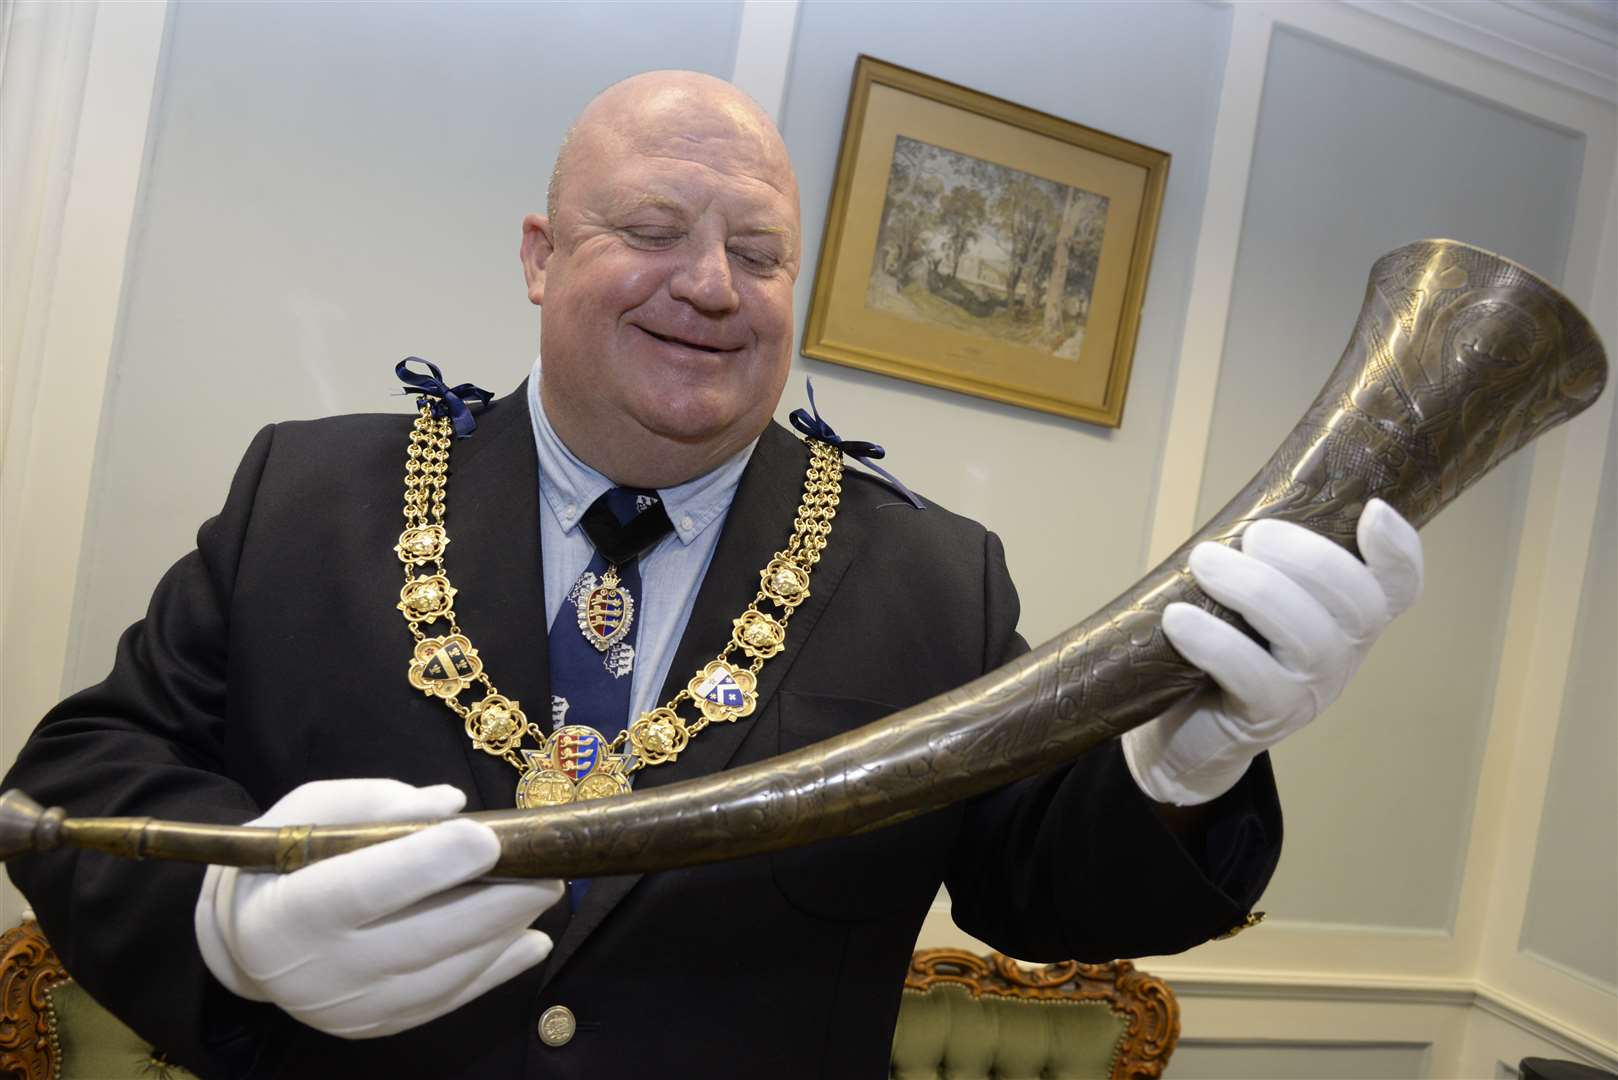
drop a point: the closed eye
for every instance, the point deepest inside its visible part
(652, 238)
(757, 260)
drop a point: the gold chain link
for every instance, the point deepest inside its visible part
(446, 665)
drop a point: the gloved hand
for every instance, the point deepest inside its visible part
(381, 939)
(1321, 610)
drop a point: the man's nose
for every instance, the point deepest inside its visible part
(704, 280)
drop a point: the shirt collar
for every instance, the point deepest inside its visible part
(569, 486)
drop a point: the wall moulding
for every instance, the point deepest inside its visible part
(1574, 45)
(764, 51)
(1272, 991)
(50, 445)
(1599, 1051)
(44, 56)
(1185, 447)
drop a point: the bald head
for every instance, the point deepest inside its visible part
(665, 268)
(698, 106)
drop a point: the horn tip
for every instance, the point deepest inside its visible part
(26, 826)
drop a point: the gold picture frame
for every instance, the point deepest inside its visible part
(984, 247)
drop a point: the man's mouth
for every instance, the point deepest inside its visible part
(685, 343)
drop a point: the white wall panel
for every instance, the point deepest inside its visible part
(1071, 500)
(85, 76)
(1353, 158)
(332, 187)
(1572, 916)
(1197, 1059)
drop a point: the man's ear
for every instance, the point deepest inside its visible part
(538, 244)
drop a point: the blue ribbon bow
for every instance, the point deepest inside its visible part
(447, 401)
(862, 452)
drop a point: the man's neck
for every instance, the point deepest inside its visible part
(636, 457)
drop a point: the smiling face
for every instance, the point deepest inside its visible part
(666, 279)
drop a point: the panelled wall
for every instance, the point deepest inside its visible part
(242, 213)
(1570, 920)
(330, 190)
(1400, 157)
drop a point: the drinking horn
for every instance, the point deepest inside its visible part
(1459, 358)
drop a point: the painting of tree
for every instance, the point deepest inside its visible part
(1007, 255)
(985, 247)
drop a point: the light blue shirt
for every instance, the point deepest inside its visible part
(670, 573)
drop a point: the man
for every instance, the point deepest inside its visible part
(271, 673)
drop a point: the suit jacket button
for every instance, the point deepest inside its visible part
(557, 1025)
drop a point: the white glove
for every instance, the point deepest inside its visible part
(1320, 608)
(378, 940)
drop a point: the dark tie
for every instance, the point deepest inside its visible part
(590, 683)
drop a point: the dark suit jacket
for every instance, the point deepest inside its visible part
(273, 655)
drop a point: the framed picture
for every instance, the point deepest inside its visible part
(985, 247)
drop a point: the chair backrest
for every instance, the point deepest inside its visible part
(966, 1015)
(52, 1029)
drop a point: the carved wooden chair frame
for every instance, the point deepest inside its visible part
(1145, 1001)
(30, 1048)
(29, 967)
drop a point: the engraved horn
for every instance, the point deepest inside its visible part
(1459, 358)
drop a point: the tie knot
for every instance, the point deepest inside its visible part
(627, 503)
(625, 522)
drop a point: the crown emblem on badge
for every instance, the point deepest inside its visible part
(606, 611)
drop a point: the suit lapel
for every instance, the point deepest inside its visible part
(492, 516)
(758, 525)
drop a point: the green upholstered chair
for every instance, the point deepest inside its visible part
(965, 1017)
(51, 1029)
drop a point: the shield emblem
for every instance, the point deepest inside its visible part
(720, 688)
(444, 666)
(604, 611)
(448, 662)
(605, 614)
(578, 751)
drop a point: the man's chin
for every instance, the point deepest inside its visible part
(719, 433)
(686, 419)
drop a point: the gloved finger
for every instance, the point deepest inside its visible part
(458, 919)
(1253, 679)
(1302, 634)
(351, 801)
(211, 941)
(1342, 584)
(358, 995)
(419, 936)
(407, 1002)
(359, 887)
(529, 948)
(1392, 550)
